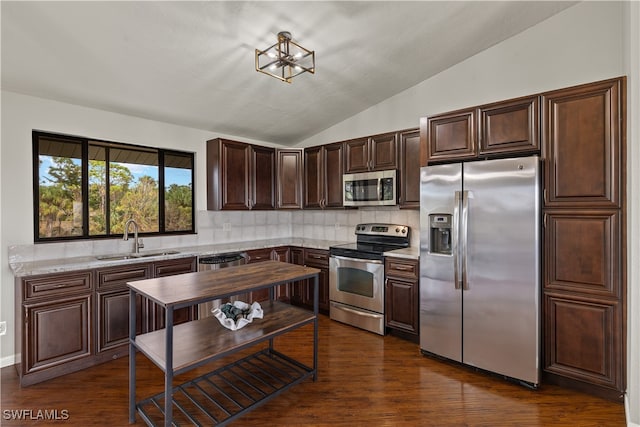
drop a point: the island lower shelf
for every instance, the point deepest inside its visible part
(220, 396)
(199, 341)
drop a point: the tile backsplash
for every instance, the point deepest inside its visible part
(217, 227)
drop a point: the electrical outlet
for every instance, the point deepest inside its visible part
(226, 226)
(3, 328)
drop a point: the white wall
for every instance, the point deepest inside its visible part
(632, 65)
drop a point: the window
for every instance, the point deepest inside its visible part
(86, 188)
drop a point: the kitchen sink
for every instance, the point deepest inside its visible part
(131, 255)
(148, 254)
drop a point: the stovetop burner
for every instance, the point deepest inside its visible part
(373, 240)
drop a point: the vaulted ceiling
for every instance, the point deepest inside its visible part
(192, 63)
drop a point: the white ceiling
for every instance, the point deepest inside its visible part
(192, 63)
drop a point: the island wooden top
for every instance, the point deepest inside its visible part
(191, 288)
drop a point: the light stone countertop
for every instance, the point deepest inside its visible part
(31, 268)
(410, 253)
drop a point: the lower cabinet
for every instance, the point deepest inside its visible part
(253, 256)
(402, 297)
(53, 324)
(302, 291)
(73, 320)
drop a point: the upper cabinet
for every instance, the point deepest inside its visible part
(583, 146)
(289, 179)
(502, 128)
(378, 152)
(240, 176)
(449, 136)
(323, 169)
(409, 170)
(509, 126)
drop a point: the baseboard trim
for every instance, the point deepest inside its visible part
(9, 360)
(626, 412)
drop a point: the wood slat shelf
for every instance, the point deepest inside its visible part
(199, 341)
(177, 349)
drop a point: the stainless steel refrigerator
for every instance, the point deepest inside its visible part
(480, 265)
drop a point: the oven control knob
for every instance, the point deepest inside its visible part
(404, 230)
(397, 229)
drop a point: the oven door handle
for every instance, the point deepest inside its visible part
(368, 261)
(358, 312)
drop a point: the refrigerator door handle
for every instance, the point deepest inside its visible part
(455, 232)
(464, 225)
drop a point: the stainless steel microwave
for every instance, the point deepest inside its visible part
(369, 188)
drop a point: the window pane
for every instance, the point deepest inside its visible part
(60, 188)
(133, 189)
(178, 192)
(97, 191)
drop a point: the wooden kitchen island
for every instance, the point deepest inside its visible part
(226, 393)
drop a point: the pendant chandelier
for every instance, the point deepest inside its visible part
(285, 59)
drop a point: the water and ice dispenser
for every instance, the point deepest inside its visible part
(440, 233)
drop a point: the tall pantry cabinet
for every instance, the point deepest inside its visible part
(584, 223)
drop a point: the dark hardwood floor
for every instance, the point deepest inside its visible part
(363, 380)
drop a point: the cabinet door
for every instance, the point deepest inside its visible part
(510, 126)
(583, 340)
(581, 131)
(263, 172)
(318, 258)
(333, 165)
(313, 178)
(166, 268)
(401, 305)
(289, 179)
(409, 175)
(113, 318)
(449, 136)
(234, 175)
(582, 252)
(383, 152)
(56, 332)
(281, 292)
(299, 289)
(357, 155)
(253, 256)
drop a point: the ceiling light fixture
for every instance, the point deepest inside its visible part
(285, 59)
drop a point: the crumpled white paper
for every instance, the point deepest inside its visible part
(255, 312)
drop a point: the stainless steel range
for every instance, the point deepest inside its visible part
(356, 275)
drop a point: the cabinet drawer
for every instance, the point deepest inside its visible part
(399, 267)
(121, 275)
(57, 284)
(174, 266)
(258, 255)
(318, 256)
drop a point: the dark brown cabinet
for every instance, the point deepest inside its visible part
(253, 256)
(54, 324)
(505, 128)
(402, 296)
(409, 171)
(510, 127)
(582, 137)
(289, 179)
(449, 136)
(112, 305)
(302, 291)
(378, 152)
(584, 223)
(73, 320)
(323, 170)
(169, 268)
(282, 292)
(240, 176)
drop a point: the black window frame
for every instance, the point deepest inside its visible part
(85, 143)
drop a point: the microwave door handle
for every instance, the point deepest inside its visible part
(379, 189)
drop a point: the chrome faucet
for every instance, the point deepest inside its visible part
(137, 243)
